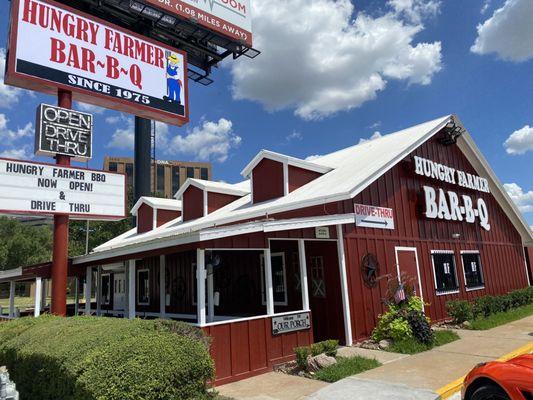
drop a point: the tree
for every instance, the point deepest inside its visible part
(22, 245)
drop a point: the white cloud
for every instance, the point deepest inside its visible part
(507, 32)
(318, 59)
(295, 135)
(375, 135)
(89, 108)
(375, 125)
(20, 153)
(208, 141)
(9, 95)
(520, 141)
(524, 200)
(416, 10)
(8, 136)
(313, 157)
(485, 7)
(124, 136)
(113, 119)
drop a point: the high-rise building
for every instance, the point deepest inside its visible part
(167, 177)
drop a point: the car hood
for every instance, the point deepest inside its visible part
(523, 361)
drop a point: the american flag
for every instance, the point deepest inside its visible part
(399, 296)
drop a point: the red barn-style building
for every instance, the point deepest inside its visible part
(293, 254)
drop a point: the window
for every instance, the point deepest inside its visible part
(279, 279)
(113, 167)
(175, 179)
(143, 287)
(445, 272)
(318, 281)
(161, 178)
(190, 172)
(204, 174)
(106, 289)
(129, 173)
(472, 270)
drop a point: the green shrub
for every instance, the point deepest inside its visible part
(459, 310)
(85, 358)
(393, 324)
(301, 356)
(330, 347)
(420, 327)
(346, 367)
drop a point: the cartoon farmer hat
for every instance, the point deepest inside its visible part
(173, 57)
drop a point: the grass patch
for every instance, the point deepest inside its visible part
(412, 346)
(346, 367)
(494, 320)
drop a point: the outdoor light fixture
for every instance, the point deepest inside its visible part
(452, 132)
(456, 235)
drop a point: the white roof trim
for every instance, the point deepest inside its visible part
(217, 233)
(11, 273)
(282, 158)
(209, 186)
(157, 203)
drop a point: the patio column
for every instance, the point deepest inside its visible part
(303, 274)
(269, 289)
(44, 293)
(210, 295)
(131, 289)
(200, 286)
(38, 296)
(76, 296)
(99, 291)
(12, 299)
(344, 287)
(162, 286)
(88, 287)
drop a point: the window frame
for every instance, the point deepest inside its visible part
(284, 303)
(473, 288)
(137, 284)
(445, 292)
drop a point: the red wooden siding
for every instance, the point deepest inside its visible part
(145, 218)
(179, 280)
(299, 177)
(267, 180)
(193, 203)
(164, 216)
(218, 200)
(248, 348)
(500, 249)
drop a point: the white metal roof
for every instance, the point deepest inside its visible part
(157, 203)
(240, 189)
(351, 170)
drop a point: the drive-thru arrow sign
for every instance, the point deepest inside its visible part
(373, 217)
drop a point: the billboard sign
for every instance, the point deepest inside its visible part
(63, 131)
(53, 46)
(230, 18)
(373, 217)
(48, 189)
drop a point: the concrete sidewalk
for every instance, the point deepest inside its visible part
(429, 371)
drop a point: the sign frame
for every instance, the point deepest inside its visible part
(92, 217)
(303, 315)
(380, 223)
(40, 132)
(17, 79)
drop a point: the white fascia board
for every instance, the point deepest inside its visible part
(155, 204)
(207, 187)
(10, 273)
(311, 222)
(296, 162)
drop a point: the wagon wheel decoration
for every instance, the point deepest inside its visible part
(370, 270)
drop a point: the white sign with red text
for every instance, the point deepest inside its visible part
(231, 18)
(53, 46)
(374, 217)
(48, 189)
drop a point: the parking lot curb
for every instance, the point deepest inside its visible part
(453, 387)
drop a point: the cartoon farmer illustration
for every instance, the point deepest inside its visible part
(174, 84)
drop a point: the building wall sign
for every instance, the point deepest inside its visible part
(230, 18)
(448, 205)
(99, 62)
(322, 232)
(291, 323)
(374, 217)
(63, 131)
(48, 189)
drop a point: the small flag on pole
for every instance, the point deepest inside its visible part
(399, 296)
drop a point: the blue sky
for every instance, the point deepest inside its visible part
(334, 72)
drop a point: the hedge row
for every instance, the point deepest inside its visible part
(86, 358)
(482, 307)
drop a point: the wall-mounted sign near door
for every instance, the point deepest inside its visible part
(373, 217)
(63, 131)
(291, 323)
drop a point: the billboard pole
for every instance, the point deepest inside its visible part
(61, 223)
(142, 173)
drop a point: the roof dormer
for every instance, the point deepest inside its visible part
(201, 198)
(152, 212)
(275, 175)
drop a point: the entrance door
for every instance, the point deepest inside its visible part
(119, 292)
(407, 263)
(324, 290)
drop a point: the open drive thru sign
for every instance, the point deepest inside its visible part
(48, 189)
(53, 47)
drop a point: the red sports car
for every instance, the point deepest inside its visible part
(510, 380)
